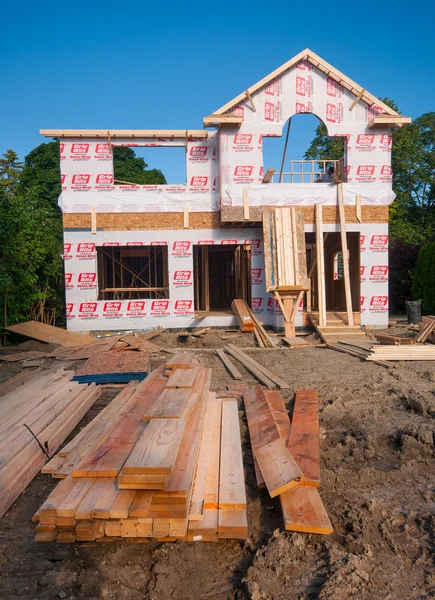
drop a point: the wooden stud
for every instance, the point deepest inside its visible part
(345, 252)
(268, 175)
(249, 97)
(320, 266)
(246, 204)
(358, 208)
(186, 217)
(93, 220)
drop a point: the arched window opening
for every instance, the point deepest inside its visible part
(304, 153)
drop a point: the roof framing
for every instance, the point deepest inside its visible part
(125, 133)
(320, 64)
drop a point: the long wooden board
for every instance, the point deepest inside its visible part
(303, 511)
(52, 335)
(303, 443)
(250, 364)
(232, 369)
(242, 315)
(232, 493)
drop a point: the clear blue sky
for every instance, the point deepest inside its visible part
(165, 65)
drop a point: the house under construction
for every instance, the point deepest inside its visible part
(237, 228)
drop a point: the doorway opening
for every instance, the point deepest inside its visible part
(221, 274)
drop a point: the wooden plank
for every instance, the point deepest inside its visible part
(303, 443)
(303, 511)
(69, 504)
(157, 447)
(235, 374)
(232, 524)
(140, 504)
(320, 255)
(169, 405)
(211, 493)
(277, 466)
(358, 208)
(126, 133)
(246, 204)
(251, 367)
(295, 342)
(248, 360)
(357, 99)
(232, 493)
(54, 335)
(279, 413)
(241, 312)
(182, 379)
(345, 253)
(180, 360)
(425, 332)
(196, 509)
(108, 457)
(86, 506)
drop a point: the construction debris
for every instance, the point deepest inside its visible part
(53, 335)
(261, 373)
(243, 315)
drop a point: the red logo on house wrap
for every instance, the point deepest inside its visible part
(112, 309)
(69, 309)
(111, 243)
(85, 250)
(158, 243)
(385, 142)
(303, 65)
(80, 150)
(88, 310)
(183, 307)
(243, 142)
(182, 278)
(301, 86)
(101, 149)
(228, 242)
(198, 153)
(379, 303)
(379, 273)
(300, 108)
(255, 245)
(243, 171)
(257, 276)
(205, 242)
(362, 301)
(181, 249)
(136, 308)
(257, 305)
(68, 281)
(104, 179)
(379, 243)
(159, 308)
(386, 173)
(365, 141)
(198, 181)
(61, 148)
(273, 88)
(87, 280)
(135, 243)
(62, 179)
(331, 87)
(362, 271)
(365, 172)
(373, 111)
(331, 112)
(269, 111)
(67, 250)
(362, 242)
(81, 179)
(239, 111)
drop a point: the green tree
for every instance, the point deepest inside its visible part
(10, 170)
(133, 169)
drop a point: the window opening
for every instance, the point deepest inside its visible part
(132, 272)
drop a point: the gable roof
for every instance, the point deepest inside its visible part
(320, 64)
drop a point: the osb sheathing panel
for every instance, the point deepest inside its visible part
(199, 220)
(138, 221)
(370, 214)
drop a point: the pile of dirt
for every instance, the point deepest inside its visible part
(377, 450)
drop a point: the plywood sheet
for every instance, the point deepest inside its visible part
(51, 335)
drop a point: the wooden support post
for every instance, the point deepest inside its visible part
(186, 218)
(245, 204)
(358, 208)
(93, 220)
(320, 267)
(109, 143)
(289, 326)
(249, 97)
(345, 254)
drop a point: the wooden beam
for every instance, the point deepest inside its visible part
(389, 121)
(214, 120)
(93, 220)
(358, 208)
(124, 133)
(357, 99)
(249, 97)
(234, 372)
(246, 204)
(345, 253)
(268, 175)
(320, 254)
(186, 217)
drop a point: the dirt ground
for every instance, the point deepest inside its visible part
(377, 450)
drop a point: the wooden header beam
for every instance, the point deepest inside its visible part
(216, 120)
(388, 121)
(124, 133)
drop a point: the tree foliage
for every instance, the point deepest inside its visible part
(423, 284)
(31, 265)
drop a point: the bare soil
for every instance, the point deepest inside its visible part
(377, 450)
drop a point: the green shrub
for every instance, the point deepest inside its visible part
(423, 278)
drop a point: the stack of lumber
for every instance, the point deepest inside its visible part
(427, 330)
(162, 462)
(394, 340)
(408, 352)
(35, 419)
(296, 342)
(248, 322)
(287, 456)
